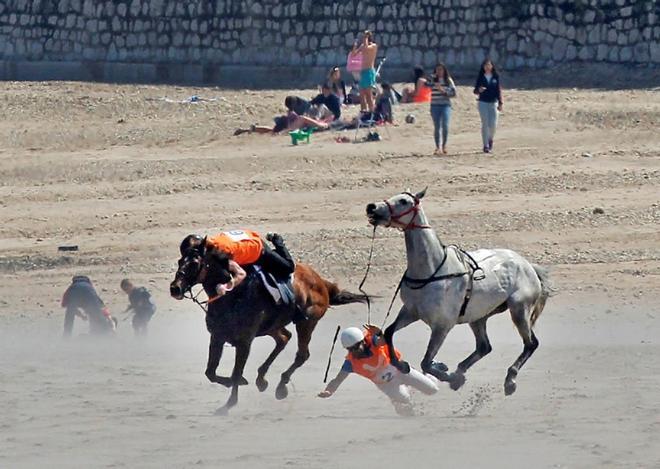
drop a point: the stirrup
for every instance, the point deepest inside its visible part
(480, 275)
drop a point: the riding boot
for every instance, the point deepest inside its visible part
(280, 247)
(282, 263)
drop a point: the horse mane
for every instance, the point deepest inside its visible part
(216, 262)
(216, 256)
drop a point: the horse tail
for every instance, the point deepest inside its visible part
(547, 290)
(343, 297)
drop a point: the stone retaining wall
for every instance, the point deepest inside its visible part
(204, 40)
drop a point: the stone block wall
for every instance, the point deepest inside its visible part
(197, 40)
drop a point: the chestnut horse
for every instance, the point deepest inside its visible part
(249, 311)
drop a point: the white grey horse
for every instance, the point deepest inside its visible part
(444, 286)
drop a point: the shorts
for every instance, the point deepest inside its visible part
(367, 78)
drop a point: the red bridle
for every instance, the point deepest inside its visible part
(414, 210)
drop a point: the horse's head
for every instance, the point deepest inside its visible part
(189, 273)
(199, 265)
(399, 211)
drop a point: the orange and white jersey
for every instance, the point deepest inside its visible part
(377, 367)
(244, 246)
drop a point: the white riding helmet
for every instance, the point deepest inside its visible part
(351, 336)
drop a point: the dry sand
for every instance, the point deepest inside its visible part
(125, 175)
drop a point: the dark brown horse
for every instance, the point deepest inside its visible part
(249, 311)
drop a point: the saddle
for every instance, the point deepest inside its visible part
(281, 290)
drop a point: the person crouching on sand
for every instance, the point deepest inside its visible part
(368, 356)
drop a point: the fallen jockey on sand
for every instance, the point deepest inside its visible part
(368, 356)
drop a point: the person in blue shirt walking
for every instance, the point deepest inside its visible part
(489, 92)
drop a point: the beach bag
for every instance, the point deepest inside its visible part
(354, 62)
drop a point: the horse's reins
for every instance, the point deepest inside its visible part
(201, 304)
(366, 273)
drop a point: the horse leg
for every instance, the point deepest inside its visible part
(521, 318)
(436, 369)
(242, 352)
(483, 348)
(304, 331)
(403, 319)
(281, 337)
(216, 346)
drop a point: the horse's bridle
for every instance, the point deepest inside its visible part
(188, 293)
(414, 210)
(193, 297)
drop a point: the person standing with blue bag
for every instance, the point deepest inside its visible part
(489, 92)
(443, 90)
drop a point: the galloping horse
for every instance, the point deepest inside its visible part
(249, 311)
(444, 286)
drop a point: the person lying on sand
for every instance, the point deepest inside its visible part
(290, 121)
(368, 356)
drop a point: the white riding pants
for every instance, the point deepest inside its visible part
(397, 387)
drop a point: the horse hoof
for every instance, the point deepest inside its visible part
(456, 380)
(242, 381)
(437, 370)
(262, 384)
(224, 381)
(403, 367)
(509, 387)
(440, 366)
(281, 392)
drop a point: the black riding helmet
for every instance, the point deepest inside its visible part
(192, 241)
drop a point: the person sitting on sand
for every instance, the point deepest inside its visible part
(329, 99)
(368, 356)
(384, 102)
(337, 85)
(420, 93)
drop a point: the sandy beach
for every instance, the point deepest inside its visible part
(125, 174)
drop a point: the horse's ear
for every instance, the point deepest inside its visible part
(421, 194)
(203, 246)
